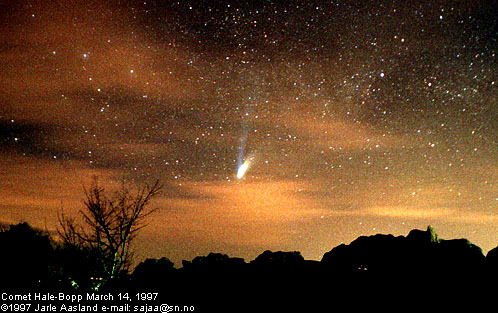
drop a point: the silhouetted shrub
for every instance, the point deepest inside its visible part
(27, 256)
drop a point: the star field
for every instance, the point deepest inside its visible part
(358, 117)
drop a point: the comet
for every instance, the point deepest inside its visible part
(243, 165)
(243, 162)
(243, 169)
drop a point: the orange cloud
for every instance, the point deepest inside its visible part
(435, 214)
(50, 186)
(79, 47)
(256, 213)
(339, 134)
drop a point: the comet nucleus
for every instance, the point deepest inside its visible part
(242, 169)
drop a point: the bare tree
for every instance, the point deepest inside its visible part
(110, 224)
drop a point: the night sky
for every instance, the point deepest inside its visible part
(352, 117)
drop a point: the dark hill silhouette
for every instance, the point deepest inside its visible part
(152, 273)
(213, 260)
(492, 263)
(379, 268)
(373, 267)
(279, 258)
(420, 255)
